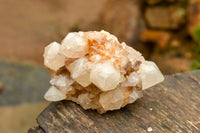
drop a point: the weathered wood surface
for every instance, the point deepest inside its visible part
(172, 106)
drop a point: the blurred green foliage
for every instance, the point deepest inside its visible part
(197, 34)
(196, 63)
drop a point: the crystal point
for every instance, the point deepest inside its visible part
(150, 74)
(74, 45)
(52, 58)
(53, 94)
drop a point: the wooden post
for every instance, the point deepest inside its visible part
(172, 106)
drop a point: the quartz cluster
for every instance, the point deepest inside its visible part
(96, 71)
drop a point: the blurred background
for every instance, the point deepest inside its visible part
(165, 31)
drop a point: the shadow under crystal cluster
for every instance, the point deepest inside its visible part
(96, 71)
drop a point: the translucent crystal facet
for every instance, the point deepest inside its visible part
(105, 76)
(53, 94)
(96, 71)
(52, 58)
(149, 74)
(111, 100)
(62, 82)
(79, 72)
(74, 45)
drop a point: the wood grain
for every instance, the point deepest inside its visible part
(172, 106)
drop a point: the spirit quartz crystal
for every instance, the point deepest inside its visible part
(96, 71)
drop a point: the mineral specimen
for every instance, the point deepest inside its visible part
(96, 71)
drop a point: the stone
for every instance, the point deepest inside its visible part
(149, 129)
(105, 75)
(52, 59)
(171, 17)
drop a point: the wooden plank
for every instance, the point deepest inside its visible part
(36, 130)
(172, 106)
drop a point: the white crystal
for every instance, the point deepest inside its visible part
(132, 80)
(58, 81)
(74, 45)
(134, 96)
(111, 100)
(149, 74)
(133, 55)
(79, 72)
(84, 100)
(70, 90)
(62, 82)
(124, 61)
(105, 76)
(53, 94)
(52, 58)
